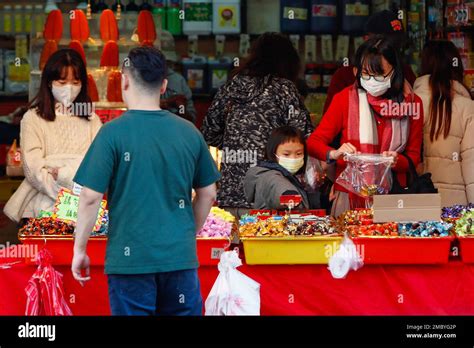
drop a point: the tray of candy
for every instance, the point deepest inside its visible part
(391, 250)
(290, 250)
(61, 247)
(209, 249)
(403, 243)
(466, 248)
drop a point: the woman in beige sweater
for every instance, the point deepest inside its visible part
(448, 123)
(56, 132)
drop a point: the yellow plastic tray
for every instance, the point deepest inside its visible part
(289, 250)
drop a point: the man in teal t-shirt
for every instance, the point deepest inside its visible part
(148, 161)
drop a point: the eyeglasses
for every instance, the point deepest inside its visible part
(378, 78)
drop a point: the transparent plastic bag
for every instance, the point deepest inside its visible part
(314, 175)
(367, 175)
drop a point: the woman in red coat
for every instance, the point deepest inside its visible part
(379, 114)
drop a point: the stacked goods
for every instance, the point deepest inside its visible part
(219, 224)
(284, 226)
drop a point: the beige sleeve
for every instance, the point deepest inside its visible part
(467, 155)
(96, 125)
(33, 156)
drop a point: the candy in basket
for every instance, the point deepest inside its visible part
(367, 175)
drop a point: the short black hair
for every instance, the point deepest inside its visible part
(370, 54)
(283, 135)
(147, 66)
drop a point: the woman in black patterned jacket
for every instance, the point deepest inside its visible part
(260, 97)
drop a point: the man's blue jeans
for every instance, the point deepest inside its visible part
(168, 293)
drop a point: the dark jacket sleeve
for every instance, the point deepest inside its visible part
(213, 126)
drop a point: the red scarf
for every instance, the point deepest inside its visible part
(362, 126)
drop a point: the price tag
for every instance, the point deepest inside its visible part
(244, 46)
(310, 48)
(67, 205)
(192, 45)
(342, 47)
(220, 43)
(295, 40)
(326, 48)
(216, 253)
(290, 201)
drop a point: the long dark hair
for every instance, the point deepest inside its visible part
(272, 54)
(370, 54)
(282, 135)
(442, 61)
(55, 69)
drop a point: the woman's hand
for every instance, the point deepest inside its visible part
(345, 148)
(393, 154)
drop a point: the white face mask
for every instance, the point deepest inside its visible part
(376, 88)
(66, 94)
(291, 164)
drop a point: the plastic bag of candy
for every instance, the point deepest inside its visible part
(366, 175)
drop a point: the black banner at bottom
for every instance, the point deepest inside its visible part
(291, 331)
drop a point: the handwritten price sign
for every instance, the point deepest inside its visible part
(67, 205)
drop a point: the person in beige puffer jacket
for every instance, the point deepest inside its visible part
(56, 133)
(448, 145)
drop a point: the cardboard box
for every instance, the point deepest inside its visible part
(407, 208)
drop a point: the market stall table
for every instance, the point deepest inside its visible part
(294, 290)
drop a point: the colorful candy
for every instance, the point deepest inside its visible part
(425, 229)
(284, 226)
(465, 224)
(357, 217)
(455, 211)
(46, 226)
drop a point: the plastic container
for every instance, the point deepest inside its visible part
(209, 250)
(195, 73)
(258, 24)
(18, 18)
(219, 70)
(403, 250)
(294, 16)
(7, 18)
(289, 250)
(354, 16)
(27, 25)
(62, 249)
(38, 19)
(466, 245)
(312, 76)
(159, 12)
(173, 22)
(197, 17)
(226, 17)
(323, 16)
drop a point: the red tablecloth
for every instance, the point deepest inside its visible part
(295, 290)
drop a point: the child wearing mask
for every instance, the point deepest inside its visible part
(277, 175)
(378, 114)
(55, 134)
